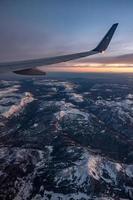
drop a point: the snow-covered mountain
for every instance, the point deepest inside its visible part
(66, 140)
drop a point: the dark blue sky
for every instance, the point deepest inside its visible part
(39, 28)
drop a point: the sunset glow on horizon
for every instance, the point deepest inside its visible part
(92, 67)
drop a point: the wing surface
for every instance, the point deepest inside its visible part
(28, 65)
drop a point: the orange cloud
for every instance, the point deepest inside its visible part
(91, 67)
(79, 69)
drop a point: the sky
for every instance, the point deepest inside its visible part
(42, 28)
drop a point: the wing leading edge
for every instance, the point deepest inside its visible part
(27, 66)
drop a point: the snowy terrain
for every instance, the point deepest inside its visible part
(66, 140)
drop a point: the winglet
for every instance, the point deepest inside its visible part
(102, 46)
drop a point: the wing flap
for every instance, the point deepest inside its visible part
(30, 72)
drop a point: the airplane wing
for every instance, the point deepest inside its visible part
(28, 67)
